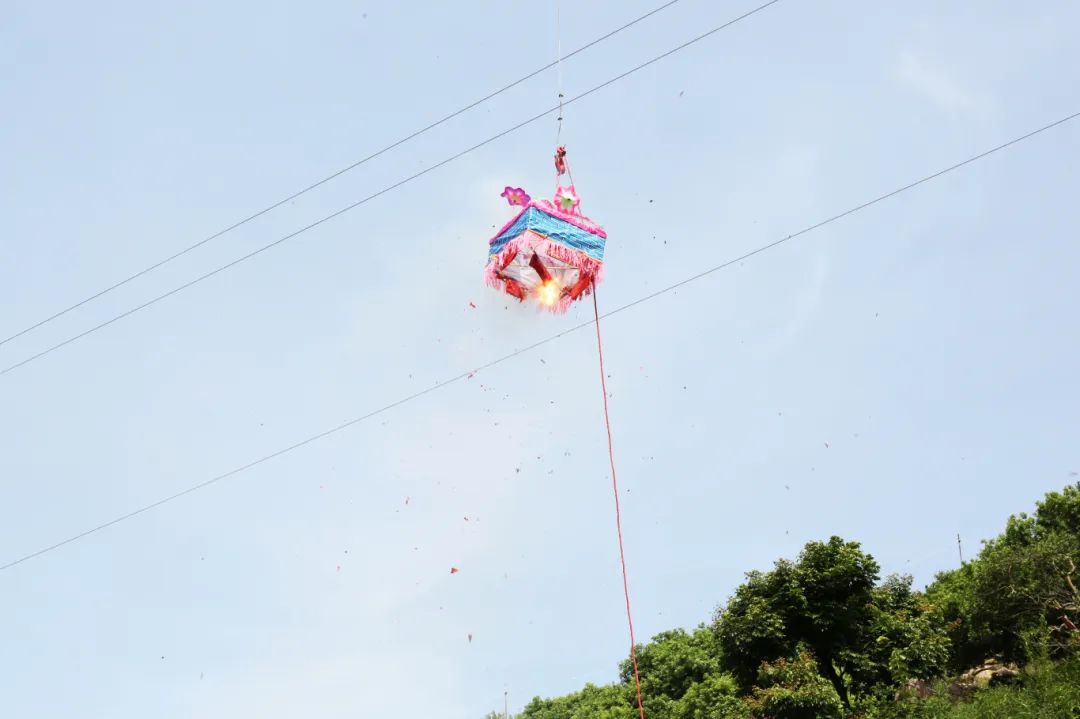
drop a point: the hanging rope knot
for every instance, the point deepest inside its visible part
(560, 159)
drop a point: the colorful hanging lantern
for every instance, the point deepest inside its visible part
(549, 251)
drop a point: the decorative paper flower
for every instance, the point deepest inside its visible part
(567, 199)
(516, 196)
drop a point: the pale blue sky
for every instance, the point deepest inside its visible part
(930, 340)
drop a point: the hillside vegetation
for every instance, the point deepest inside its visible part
(824, 636)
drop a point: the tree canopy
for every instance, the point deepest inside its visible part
(823, 636)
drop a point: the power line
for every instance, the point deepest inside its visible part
(333, 176)
(381, 192)
(552, 338)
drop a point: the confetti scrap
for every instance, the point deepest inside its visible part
(454, 570)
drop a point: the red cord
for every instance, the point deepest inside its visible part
(618, 514)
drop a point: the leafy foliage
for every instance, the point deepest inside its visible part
(794, 689)
(1018, 597)
(904, 638)
(592, 702)
(674, 661)
(824, 600)
(1050, 691)
(822, 637)
(715, 697)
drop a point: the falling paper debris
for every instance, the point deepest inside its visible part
(454, 570)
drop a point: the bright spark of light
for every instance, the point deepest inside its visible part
(548, 293)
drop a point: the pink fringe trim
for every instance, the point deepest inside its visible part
(546, 206)
(532, 242)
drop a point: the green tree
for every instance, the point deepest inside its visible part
(822, 600)
(674, 661)
(794, 642)
(1017, 598)
(905, 638)
(794, 689)
(953, 594)
(593, 702)
(1059, 512)
(755, 624)
(714, 697)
